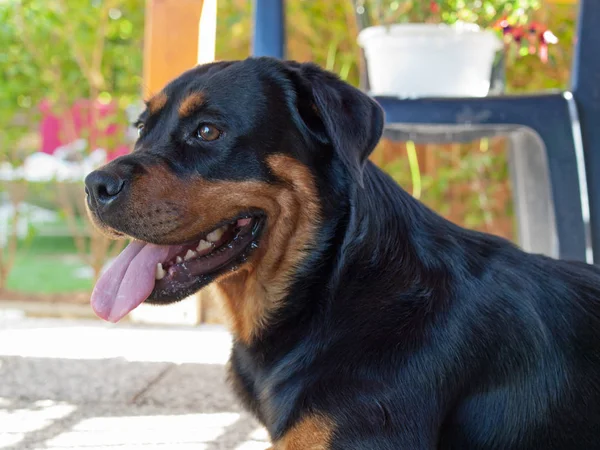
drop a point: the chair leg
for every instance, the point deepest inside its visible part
(534, 207)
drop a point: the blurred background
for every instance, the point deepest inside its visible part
(73, 77)
(73, 80)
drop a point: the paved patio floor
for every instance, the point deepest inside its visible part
(90, 385)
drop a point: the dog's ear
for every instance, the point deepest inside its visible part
(339, 113)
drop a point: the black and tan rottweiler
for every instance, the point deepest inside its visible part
(361, 319)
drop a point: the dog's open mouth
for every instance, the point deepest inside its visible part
(166, 273)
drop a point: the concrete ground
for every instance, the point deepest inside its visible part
(90, 385)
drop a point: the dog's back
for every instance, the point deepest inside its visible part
(509, 341)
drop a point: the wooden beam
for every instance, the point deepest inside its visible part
(170, 40)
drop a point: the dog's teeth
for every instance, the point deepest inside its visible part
(203, 245)
(160, 272)
(215, 235)
(190, 255)
(179, 259)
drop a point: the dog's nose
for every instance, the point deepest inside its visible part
(103, 186)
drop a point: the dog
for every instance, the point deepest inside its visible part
(360, 318)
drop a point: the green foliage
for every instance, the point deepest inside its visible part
(61, 51)
(484, 13)
(528, 73)
(323, 32)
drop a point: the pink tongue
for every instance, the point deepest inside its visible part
(128, 281)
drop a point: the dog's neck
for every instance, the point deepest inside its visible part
(313, 249)
(254, 294)
(381, 223)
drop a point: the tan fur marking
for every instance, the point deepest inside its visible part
(311, 433)
(156, 103)
(254, 294)
(191, 103)
(255, 291)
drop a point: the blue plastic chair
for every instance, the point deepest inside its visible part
(554, 137)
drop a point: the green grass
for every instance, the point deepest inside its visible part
(47, 265)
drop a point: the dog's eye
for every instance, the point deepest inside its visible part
(208, 132)
(140, 128)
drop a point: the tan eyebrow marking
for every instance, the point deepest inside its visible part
(191, 103)
(157, 102)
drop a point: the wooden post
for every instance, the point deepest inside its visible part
(170, 40)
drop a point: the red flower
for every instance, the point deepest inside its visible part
(434, 7)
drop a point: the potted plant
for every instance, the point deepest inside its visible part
(447, 48)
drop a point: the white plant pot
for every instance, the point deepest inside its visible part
(427, 60)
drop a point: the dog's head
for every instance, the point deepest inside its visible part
(224, 176)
